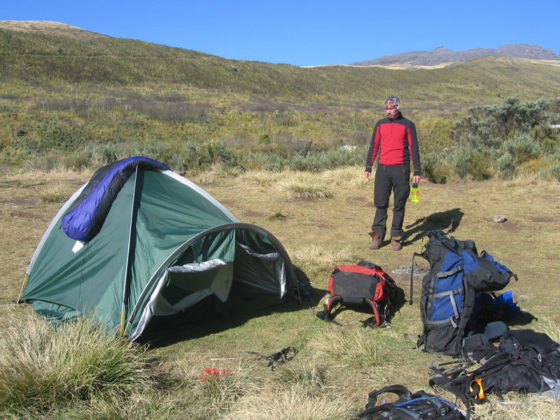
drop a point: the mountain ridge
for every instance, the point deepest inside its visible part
(442, 55)
(437, 57)
(49, 28)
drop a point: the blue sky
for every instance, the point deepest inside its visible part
(307, 32)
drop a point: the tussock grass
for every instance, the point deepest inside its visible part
(291, 403)
(297, 184)
(346, 177)
(318, 259)
(57, 194)
(222, 392)
(358, 348)
(517, 407)
(42, 366)
(310, 192)
(304, 185)
(211, 396)
(262, 177)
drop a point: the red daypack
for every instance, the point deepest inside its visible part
(359, 284)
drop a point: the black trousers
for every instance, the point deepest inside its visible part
(390, 178)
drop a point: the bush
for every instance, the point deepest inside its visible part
(473, 163)
(434, 168)
(505, 165)
(522, 148)
(508, 134)
(554, 171)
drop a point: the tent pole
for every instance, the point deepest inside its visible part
(22, 288)
(129, 250)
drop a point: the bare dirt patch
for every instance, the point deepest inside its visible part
(508, 226)
(20, 201)
(25, 215)
(252, 213)
(358, 200)
(543, 219)
(228, 203)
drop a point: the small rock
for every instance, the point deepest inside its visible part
(500, 218)
(419, 271)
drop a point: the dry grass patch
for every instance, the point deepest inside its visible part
(356, 348)
(292, 403)
(298, 185)
(317, 261)
(57, 194)
(348, 178)
(304, 185)
(517, 407)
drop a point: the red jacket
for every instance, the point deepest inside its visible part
(396, 143)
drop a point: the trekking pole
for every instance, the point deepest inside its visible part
(411, 277)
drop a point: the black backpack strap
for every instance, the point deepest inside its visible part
(368, 264)
(378, 314)
(419, 405)
(469, 385)
(278, 358)
(390, 412)
(326, 313)
(402, 392)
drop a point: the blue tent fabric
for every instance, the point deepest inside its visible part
(86, 216)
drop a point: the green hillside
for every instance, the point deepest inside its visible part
(32, 57)
(76, 98)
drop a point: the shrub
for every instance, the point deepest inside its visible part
(462, 157)
(505, 165)
(77, 161)
(514, 128)
(554, 171)
(522, 148)
(550, 144)
(434, 168)
(473, 163)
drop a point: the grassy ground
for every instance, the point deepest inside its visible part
(322, 220)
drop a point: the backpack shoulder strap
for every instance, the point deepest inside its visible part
(402, 392)
(326, 314)
(419, 405)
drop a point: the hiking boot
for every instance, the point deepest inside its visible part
(396, 243)
(376, 240)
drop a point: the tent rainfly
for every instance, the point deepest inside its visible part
(139, 242)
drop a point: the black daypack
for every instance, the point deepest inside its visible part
(458, 277)
(419, 406)
(364, 283)
(524, 361)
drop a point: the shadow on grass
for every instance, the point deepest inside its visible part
(523, 318)
(211, 316)
(447, 221)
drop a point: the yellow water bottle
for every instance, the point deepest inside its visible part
(415, 193)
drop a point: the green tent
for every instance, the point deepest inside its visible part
(166, 247)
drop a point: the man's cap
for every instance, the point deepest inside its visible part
(392, 102)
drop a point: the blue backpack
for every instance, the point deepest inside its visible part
(409, 406)
(452, 291)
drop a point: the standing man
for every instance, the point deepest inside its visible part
(394, 139)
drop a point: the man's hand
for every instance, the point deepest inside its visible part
(416, 179)
(367, 174)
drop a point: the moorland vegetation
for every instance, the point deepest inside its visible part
(78, 102)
